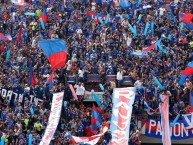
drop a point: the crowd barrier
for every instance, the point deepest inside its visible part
(97, 78)
(155, 117)
(93, 78)
(126, 80)
(71, 79)
(110, 78)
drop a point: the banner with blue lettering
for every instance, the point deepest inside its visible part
(178, 131)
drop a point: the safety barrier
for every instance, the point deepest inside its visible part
(97, 78)
(71, 79)
(93, 78)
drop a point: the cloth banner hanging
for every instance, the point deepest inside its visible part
(164, 111)
(53, 119)
(123, 99)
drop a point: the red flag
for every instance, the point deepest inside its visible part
(149, 48)
(19, 36)
(187, 18)
(32, 80)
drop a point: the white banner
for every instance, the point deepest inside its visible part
(123, 99)
(53, 119)
(92, 140)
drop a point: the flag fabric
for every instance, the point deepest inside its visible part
(189, 109)
(8, 54)
(152, 28)
(64, 2)
(181, 26)
(95, 120)
(149, 48)
(147, 7)
(2, 36)
(186, 18)
(18, 2)
(8, 38)
(139, 54)
(186, 73)
(124, 4)
(50, 81)
(152, 46)
(148, 109)
(43, 15)
(123, 99)
(92, 140)
(157, 43)
(146, 28)
(96, 98)
(32, 80)
(156, 81)
(116, 19)
(189, 26)
(133, 30)
(5, 37)
(182, 79)
(30, 139)
(188, 120)
(90, 15)
(139, 19)
(56, 52)
(191, 98)
(54, 118)
(98, 1)
(164, 111)
(19, 36)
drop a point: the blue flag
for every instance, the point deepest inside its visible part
(8, 55)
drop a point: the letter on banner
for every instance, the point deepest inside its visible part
(123, 99)
(53, 118)
(36, 101)
(31, 98)
(20, 98)
(4, 93)
(188, 120)
(9, 94)
(158, 129)
(152, 123)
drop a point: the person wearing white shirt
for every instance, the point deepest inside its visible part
(79, 31)
(176, 1)
(161, 11)
(129, 40)
(80, 74)
(119, 78)
(93, 6)
(43, 111)
(138, 84)
(80, 89)
(68, 66)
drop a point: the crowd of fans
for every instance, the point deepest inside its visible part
(93, 48)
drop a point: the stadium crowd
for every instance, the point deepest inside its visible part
(93, 48)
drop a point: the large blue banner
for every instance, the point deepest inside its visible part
(178, 131)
